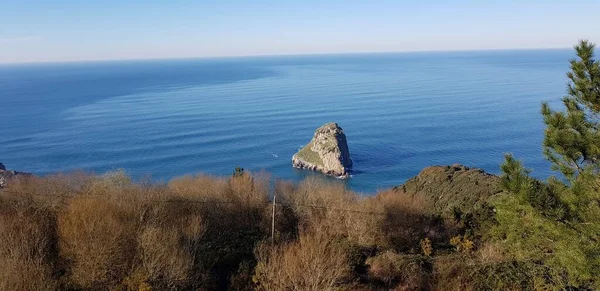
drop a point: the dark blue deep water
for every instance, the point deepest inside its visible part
(401, 112)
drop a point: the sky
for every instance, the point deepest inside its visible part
(69, 30)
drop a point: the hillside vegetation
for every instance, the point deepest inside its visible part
(449, 228)
(87, 232)
(83, 232)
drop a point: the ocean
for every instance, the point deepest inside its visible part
(401, 112)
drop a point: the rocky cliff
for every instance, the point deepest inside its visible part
(327, 152)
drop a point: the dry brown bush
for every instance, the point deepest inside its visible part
(99, 240)
(407, 220)
(400, 272)
(27, 247)
(167, 254)
(235, 202)
(236, 219)
(332, 209)
(246, 188)
(169, 245)
(388, 220)
(202, 233)
(199, 187)
(313, 262)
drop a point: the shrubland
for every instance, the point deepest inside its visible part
(88, 232)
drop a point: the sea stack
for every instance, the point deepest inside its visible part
(327, 152)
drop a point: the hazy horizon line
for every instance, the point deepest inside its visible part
(273, 55)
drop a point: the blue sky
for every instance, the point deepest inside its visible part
(62, 30)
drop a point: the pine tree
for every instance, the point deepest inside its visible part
(572, 137)
(553, 223)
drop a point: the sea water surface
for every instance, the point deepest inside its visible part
(401, 112)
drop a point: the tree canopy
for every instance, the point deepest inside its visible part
(554, 226)
(572, 136)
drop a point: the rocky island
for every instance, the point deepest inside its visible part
(327, 152)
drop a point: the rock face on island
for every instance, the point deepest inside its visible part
(327, 152)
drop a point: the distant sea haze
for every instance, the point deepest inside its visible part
(401, 112)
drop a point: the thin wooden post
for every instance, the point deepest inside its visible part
(273, 223)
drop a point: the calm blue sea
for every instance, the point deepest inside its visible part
(401, 112)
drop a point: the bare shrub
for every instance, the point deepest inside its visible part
(400, 272)
(245, 188)
(48, 191)
(27, 247)
(99, 240)
(168, 250)
(25, 274)
(332, 209)
(313, 262)
(249, 188)
(234, 214)
(199, 187)
(80, 231)
(406, 221)
(237, 201)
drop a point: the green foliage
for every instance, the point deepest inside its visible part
(502, 276)
(553, 225)
(515, 177)
(550, 224)
(542, 197)
(572, 137)
(569, 249)
(472, 223)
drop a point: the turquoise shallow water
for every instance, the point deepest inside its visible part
(401, 112)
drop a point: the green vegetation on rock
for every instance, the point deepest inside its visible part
(308, 155)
